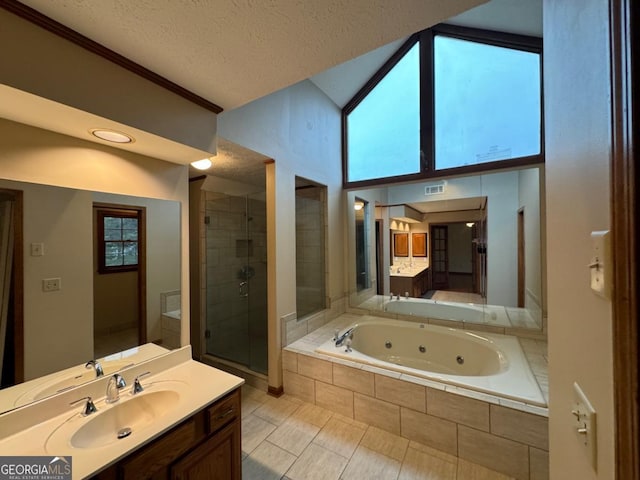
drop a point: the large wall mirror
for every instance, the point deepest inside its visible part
(475, 250)
(100, 278)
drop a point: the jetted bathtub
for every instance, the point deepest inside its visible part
(466, 312)
(489, 363)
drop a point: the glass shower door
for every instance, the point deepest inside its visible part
(236, 305)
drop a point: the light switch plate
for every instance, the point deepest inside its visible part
(600, 265)
(37, 249)
(584, 416)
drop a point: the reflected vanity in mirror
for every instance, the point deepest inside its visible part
(471, 253)
(87, 283)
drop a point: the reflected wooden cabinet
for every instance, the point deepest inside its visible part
(414, 286)
(419, 244)
(400, 244)
(206, 446)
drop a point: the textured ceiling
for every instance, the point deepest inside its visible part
(236, 162)
(234, 51)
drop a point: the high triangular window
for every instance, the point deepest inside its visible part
(452, 100)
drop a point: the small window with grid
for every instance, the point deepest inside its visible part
(118, 240)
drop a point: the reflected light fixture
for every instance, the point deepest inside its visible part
(111, 135)
(203, 164)
(470, 224)
(358, 205)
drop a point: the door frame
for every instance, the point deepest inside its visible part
(521, 259)
(17, 288)
(623, 16)
(379, 258)
(432, 228)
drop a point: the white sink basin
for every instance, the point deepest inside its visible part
(115, 422)
(133, 414)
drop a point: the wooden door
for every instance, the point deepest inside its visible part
(439, 257)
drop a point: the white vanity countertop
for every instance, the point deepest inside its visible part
(198, 385)
(32, 390)
(408, 272)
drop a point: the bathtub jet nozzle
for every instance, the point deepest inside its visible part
(340, 339)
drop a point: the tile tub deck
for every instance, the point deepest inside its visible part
(502, 434)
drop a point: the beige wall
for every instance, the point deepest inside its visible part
(32, 155)
(578, 151)
(46, 65)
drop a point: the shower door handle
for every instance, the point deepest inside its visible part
(243, 289)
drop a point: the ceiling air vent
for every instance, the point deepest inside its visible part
(434, 189)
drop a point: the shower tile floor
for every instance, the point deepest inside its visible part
(286, 438)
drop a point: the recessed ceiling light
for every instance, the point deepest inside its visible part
(203, 164)
(111, 135)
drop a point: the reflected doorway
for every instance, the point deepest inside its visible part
(458, 262)
(119, 297)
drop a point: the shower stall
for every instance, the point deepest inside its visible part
(236, 279)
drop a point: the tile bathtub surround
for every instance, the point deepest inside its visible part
(309, 442)
(501, 434)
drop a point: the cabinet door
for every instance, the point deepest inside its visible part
(218, 458)
(151, 462)
(419, 244)
(401, 244)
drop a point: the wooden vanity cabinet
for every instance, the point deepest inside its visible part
(415, 286)
(206, 446)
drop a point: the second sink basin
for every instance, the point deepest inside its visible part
(124, 419)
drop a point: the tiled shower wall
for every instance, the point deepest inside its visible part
(310, 250)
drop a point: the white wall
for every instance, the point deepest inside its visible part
(501, 190)
(29, 154)
(460, 247)
(299, 127)
(578, 151)
(529, 191)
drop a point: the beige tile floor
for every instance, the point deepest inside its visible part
(452, 296)
(285, 438)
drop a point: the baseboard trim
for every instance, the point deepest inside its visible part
(275, 391)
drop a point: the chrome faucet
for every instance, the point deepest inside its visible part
(96, 366)
(89, 407)
(116, 382)
(137, 387)
(341, 338)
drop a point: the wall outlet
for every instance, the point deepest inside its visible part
(51, 284)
